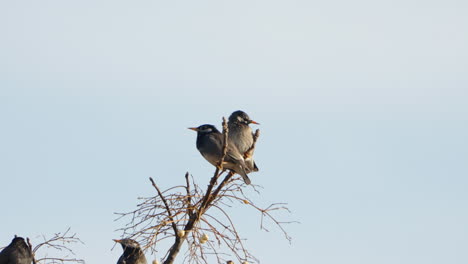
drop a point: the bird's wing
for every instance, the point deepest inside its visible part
(121, 260)
(4, 259)
(234, 156)
(5, 255)
(237, 162)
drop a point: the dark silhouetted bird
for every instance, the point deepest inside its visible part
(132, 252)
(210, 145)
(241, 135)
(18, 252)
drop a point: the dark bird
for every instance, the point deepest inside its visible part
(18, 252)
(132, 252)
(210, 145)
(241, 135)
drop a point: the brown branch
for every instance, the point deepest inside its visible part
(60, 260)
(216, 175)
(174, 226)
(57, 242)
(225, 142)
(189, 197)
(203, 206)
(221, 185)
(31, 249)
(249, 151)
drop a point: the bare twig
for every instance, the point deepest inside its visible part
(168, 209)
(59, 242)
(249, 152)
(215, 177)
(189, 197)
(30, 248)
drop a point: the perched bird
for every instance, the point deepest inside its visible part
(210, 145)
(241, 135)
(18, 252)
(132, 252)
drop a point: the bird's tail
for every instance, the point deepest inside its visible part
(255, 168)
(244, 176)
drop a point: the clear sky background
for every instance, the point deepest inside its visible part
(363, 108)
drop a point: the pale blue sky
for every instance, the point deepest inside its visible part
(363, 108)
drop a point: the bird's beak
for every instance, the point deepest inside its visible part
(117, 240)
(193, 128)
(253, 122)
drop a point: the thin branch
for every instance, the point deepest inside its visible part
(174, 226)
(31, 249)
(58, 242)
(216, 175)
(189, 197)
(249, 152)
(226, 179)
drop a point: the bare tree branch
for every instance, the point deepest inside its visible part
(189, 197)
(59, 242)
(249, 152)
(174, 226)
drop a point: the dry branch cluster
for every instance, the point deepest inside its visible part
(59, 246)
(60, 243)
(188, 213)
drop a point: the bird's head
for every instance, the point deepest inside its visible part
(241, 117)
(127, 243)
(17, 240)
(204, 129)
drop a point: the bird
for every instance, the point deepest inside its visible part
(241, 135)
(132, 252)
(18, 252)
(210, 144)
